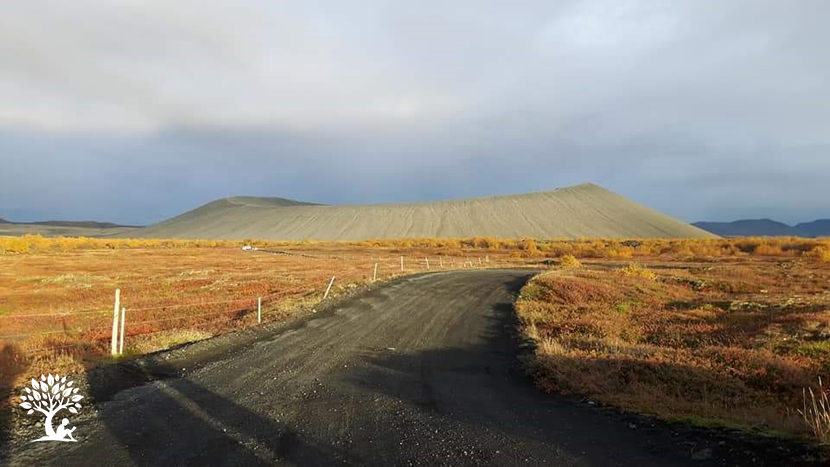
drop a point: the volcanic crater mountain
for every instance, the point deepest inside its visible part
(579, 211)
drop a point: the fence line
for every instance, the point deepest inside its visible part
(188, 316)
(61, 313)
(62, 331)
(191, 304)
(160, 307)
(102, 311)
(79, 345)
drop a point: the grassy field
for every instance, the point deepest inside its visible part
(728, 330)
(733, 341)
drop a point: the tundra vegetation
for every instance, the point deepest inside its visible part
(723, 329)
(737, 341)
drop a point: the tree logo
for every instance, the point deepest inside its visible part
(49, 396)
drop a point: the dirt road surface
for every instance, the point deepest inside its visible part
(424, 370)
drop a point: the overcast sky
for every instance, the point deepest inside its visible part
(134, 111)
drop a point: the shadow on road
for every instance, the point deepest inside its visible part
(12, 364)
(178, 422)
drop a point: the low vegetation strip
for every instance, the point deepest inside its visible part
(732, 342)
(788, 247)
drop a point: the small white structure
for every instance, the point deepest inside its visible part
(247, 247)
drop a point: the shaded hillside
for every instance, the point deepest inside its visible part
(573, 212)
(65, 228)
(85, 224)
(767, 228)
(817, 228)
(749, 228)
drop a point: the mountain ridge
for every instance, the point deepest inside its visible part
(65, 228)
(766, 228)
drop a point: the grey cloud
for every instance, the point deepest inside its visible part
(133, 111)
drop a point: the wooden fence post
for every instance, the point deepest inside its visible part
(427, 260)
(328, 288)
(113, 347)
(121, 338)
(375, 275)
(401, 263)
(441, 261)
(259, 310)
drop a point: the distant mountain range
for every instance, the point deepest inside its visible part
(87, 224)
(64, 228)
(766, 228)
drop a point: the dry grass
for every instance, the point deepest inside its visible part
(56, 300)
(687, 249)
(166, 339)
(731, 342)
(816, 412)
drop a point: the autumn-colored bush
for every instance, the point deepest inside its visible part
(636, 269)
(38, 243)
(706, 248)
(484, 242)
(570, 262)
(821, 253)
(529, 247)
(768, 250)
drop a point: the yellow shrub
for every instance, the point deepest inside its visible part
(821, 253)
(768, 250)
(570, 262)
(38, 243)
(484, 242)
(529, 247)
(635, 269)
(619, 252)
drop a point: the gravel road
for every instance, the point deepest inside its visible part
(423, 370)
